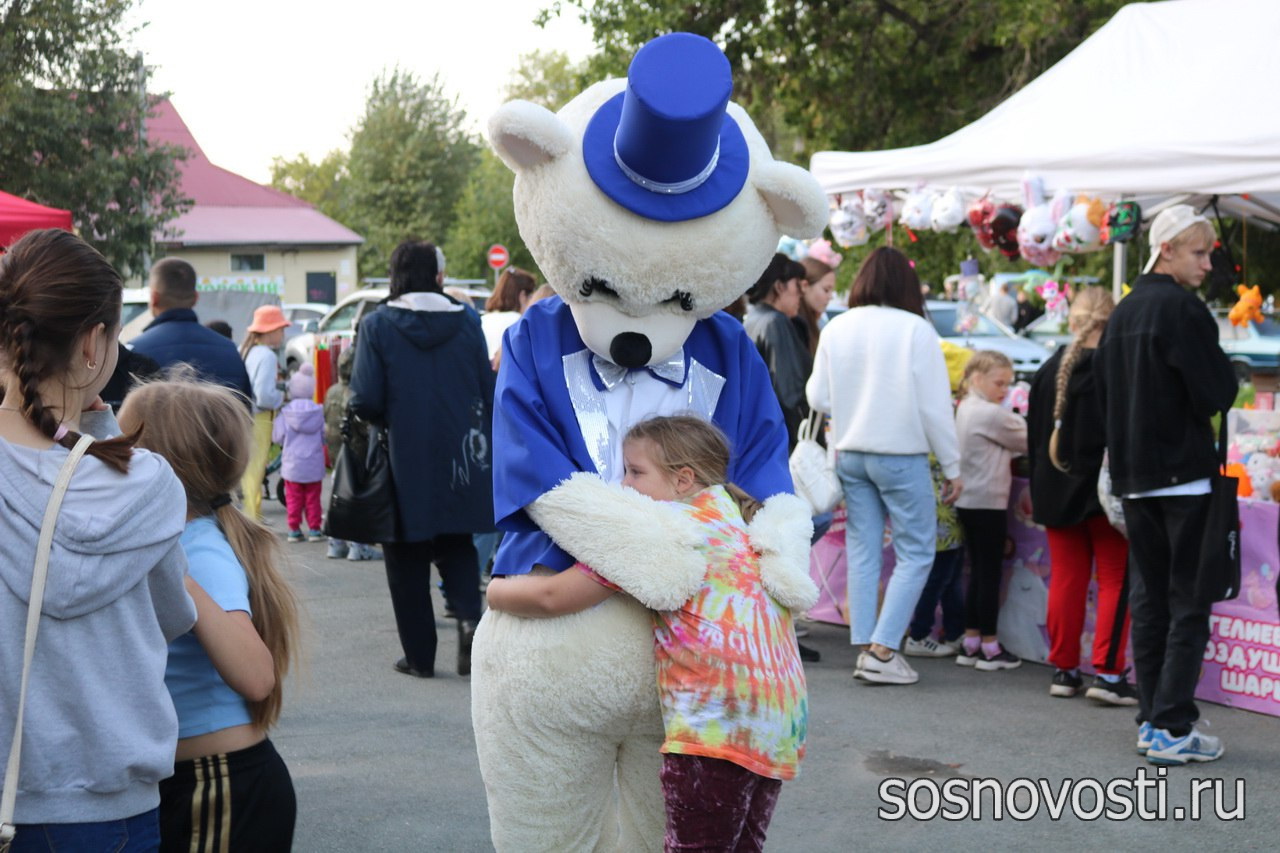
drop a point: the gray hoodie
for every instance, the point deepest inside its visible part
(100, 728)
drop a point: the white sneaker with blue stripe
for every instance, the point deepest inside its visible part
(1193, 746)
(1144, 738)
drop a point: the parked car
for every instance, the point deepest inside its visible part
(136, 301)
(986, 334)
(342, 320)
(1255, 347)
(1049, 332)
(303, 316)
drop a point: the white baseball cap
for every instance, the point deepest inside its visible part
(1169, 223)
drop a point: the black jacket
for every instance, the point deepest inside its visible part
(1062, 499)
(426, 375)
(1161, 376)
(788, 360)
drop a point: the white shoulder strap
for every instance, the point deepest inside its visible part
(10, 795)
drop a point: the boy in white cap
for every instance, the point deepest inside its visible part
(1162, 376)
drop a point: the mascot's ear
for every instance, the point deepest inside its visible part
(794, 198)
(527, 135)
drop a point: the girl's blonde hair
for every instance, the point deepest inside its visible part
(983, 361)
(205, 433)
(1089, 314)
(684, 441)
(251, 340)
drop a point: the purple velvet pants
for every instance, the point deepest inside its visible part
(714, 804)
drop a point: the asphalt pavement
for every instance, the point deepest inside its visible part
(386, 762)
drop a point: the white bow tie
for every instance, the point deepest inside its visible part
(670, 370)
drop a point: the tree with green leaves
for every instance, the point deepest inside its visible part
(486, 213)
(409, 161)
(322, 185)
(72, 114)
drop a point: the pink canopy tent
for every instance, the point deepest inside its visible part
(18, 216)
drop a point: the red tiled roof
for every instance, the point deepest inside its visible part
(232, 210)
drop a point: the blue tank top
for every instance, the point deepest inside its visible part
(203, 700)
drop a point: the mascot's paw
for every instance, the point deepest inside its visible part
(648, 549)
(781, 531)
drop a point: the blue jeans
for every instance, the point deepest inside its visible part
(876, 485)
(943, 587)
(137, 834)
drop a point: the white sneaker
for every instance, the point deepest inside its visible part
(895, 670)
(928, 648)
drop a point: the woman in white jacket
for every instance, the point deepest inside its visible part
(880, 374)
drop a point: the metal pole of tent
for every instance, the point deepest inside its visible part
(1118, 258)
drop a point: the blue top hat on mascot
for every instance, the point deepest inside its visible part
(665, 148)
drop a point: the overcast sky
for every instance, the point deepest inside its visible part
(255, 79)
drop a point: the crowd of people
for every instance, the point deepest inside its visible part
(154, 550)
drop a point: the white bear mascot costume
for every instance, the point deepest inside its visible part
(650, 204)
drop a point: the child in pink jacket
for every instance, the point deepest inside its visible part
(299, 430)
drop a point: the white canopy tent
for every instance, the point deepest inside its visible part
(1171, 99)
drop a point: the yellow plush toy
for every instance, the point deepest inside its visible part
(1249, 308)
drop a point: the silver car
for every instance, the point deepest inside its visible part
(986, 334)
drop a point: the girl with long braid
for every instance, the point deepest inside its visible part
(1067, 439)
(99, 724)
(227, 676)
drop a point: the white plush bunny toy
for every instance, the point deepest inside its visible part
(649, 203)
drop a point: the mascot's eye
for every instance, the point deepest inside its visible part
(683, 297)
(593, 285)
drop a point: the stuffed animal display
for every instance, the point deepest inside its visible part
(645, 227)
(1249, 307)
(948, 212)
(1080, 228)
(848, 225)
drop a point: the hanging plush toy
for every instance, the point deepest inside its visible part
(1120, 223)
(1079, 229)
(917, 209)
(1054, 297)
(1248, 309)
(1004, 230)
(793, 248)
(980, 214)
(877, 209)
(1039, 223)
(948, 211)
(848, 225)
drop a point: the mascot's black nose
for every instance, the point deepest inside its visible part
(630, 349)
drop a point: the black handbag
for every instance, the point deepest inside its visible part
(362, 505)
(1218, 578)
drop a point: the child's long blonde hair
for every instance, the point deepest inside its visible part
(983, 361)
(205, 433)
(684, 441)
(1089, 314)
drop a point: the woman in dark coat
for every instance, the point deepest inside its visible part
(422, 370)
(774, 302)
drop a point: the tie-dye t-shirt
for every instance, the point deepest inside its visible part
(729, 674)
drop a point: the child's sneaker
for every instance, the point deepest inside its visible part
(1004, 659)
(895, 670)
(927, 648)
(295, 536)
(316, 536)
(963, 658)
(360, 552)
(1065, 684)
(1144, 738)
(337, 549)
(1119, 692)
(1193, 746)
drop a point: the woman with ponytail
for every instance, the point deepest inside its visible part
(1067, 438)
(100, 726)
(226, 676)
